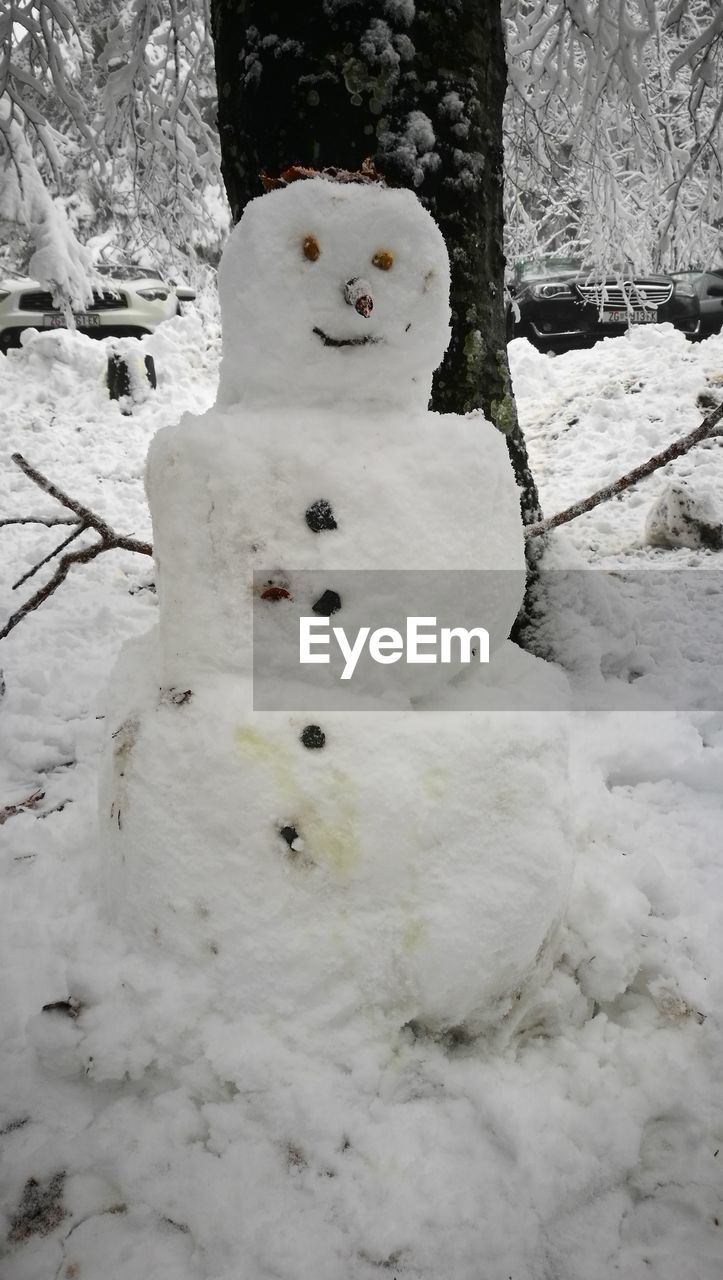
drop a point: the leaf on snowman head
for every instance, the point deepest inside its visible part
(298, 172)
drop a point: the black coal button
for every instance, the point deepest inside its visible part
(319, 516)
(313, 737)
(327, 604)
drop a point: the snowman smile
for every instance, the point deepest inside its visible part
(345, 342)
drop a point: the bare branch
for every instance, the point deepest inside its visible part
(86, 519)
(49, 521)
(81, 528)
(82, 513)
(674, 450)
(61, 573)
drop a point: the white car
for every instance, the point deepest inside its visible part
(135, 302)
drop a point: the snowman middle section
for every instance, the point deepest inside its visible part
(260, 518)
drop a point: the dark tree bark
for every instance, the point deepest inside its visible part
(418, 85)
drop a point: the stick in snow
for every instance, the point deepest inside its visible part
(109, 540)
(674, 450)
(79, 528)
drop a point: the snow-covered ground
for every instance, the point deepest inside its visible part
(154, 1136)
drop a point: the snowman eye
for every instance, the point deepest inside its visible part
(383, 259)
(311, 248)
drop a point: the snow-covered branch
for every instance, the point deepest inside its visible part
(613, 122)
(108, 126)
(58, 262)
(613, 125)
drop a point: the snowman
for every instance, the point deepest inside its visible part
(396, 846)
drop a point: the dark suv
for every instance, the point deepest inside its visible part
(558, 303)
(709, 287)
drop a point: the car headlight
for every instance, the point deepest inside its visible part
(153, 295)
(684, 289)
(556, 290)
(3, 295)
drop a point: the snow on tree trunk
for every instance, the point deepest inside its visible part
(420, 88)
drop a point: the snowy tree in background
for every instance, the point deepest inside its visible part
(612, 123)
(107, 134)
(612, 129)
(45, 129)
(158, 113)
(613, 139)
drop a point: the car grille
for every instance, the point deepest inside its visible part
(40, 301)
(633, 293)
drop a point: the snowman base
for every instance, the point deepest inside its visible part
(409, 865)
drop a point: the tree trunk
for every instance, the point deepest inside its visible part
(419, 87)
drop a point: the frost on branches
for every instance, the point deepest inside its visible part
(612, 127)
(107, 135)
(613, 130)
(58, 261)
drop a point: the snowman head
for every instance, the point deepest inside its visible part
(333, 293)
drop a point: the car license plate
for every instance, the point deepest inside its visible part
(637, 315)
(83, 320)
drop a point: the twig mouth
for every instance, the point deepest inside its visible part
(345, 342)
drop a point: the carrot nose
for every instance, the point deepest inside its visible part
(358, 293)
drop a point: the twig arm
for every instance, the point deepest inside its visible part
(82, 513)
(88, 519)
(79, 528)
(674, 450)
(84, 519)
(64, 565)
